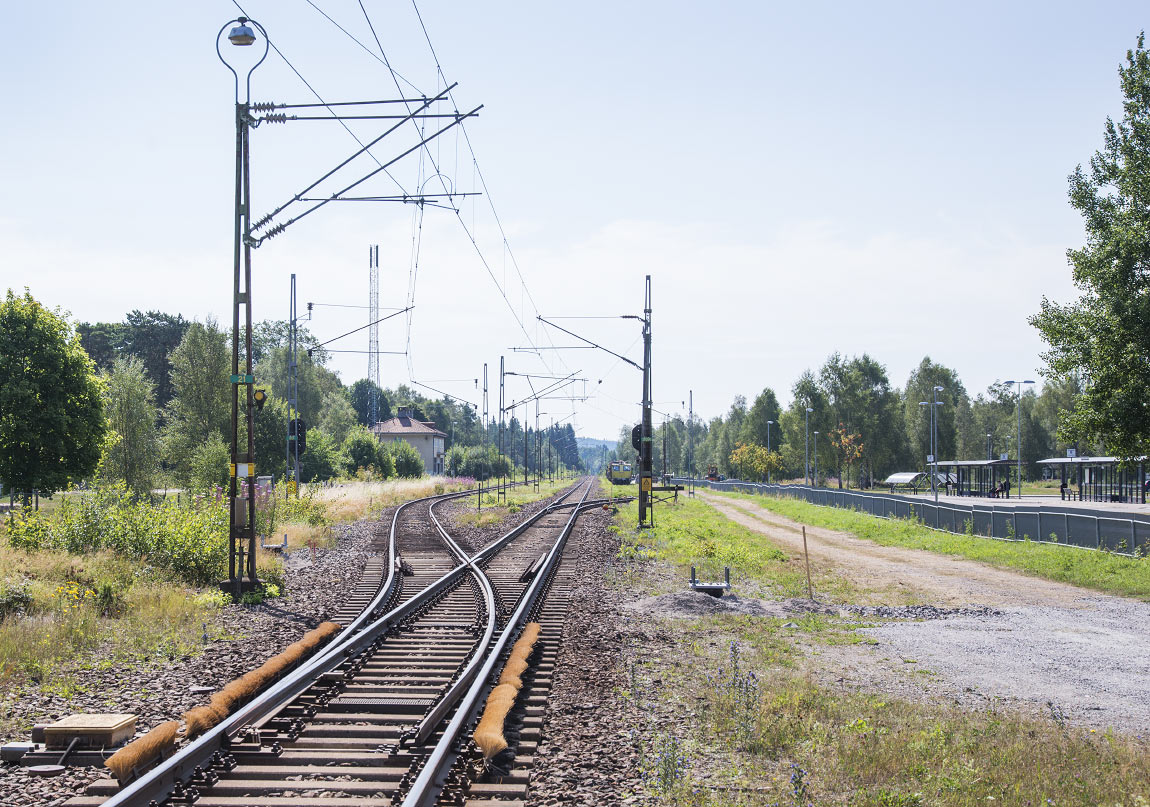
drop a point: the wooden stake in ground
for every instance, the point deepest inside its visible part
(807, 555)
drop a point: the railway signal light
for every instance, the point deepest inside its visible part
(260, 397)
(297, 431)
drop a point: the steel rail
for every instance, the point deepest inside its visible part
(428, 784)
(431, 721)
(185, 765)
(440, 709)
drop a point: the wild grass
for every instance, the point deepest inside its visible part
(764, 731)
(495, 510)
(790, 741)
(350, 501)
(692, 533)
(1101, 571)
(54, 605)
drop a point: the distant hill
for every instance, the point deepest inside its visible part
(591, 442)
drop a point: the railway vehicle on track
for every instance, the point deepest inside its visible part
(619, 472)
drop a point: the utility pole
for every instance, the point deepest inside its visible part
(373, 333)
(292, 441)
(502, 490)
(664, 449)
(691, 443)
(646, 513)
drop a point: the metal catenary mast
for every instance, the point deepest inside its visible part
(373, 333)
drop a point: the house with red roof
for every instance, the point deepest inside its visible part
(421, 435)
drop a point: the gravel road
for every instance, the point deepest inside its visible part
(1028, 640)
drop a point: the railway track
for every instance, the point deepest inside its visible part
(379, 717)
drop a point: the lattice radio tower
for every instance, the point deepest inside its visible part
(373, 332)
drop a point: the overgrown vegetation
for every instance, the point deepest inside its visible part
(1102, 571)
(137, 580)
(54, 603)
(766, 732)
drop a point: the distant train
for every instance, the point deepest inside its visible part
(619, 472)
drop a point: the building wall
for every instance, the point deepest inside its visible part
(429, 446)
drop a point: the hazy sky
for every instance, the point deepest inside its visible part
(798, 179)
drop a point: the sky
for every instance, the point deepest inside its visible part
(797, 179)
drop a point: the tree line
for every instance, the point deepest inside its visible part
(867, 428)
(147, 401)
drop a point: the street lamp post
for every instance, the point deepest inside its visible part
(932, 460)
(807, 446)
(815, 482)
(241, 513)
(769, 424)
(1020, 383)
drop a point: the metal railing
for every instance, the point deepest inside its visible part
(1069, 526)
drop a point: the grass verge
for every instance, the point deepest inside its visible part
(692, 533)
(1101, 571)
(762, 729)
(495, 510)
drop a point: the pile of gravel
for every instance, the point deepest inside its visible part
(158, 691)
(920, 612)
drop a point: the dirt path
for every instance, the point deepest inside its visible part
(1087, 654)
(936, 579)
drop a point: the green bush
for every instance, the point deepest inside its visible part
(361, 449)
(190, 540)
(483, 463)
(408, 463)
(322, 460)
(15, 598)
(210, 463)
(455, 461)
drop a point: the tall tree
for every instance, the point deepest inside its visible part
(863, 403)
(755, 428)
(101, 341)
(52, 425)
(807, 393)
(314, 380)
(1102, 337)
(153, 336)
(336, 416)
(132, 452)
(201, 406)
(360, 396)
(920, 387)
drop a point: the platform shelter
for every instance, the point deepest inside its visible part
(1099, 479)
(978, 477)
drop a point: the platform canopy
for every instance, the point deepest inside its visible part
(903, 478)
(1088, 461)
